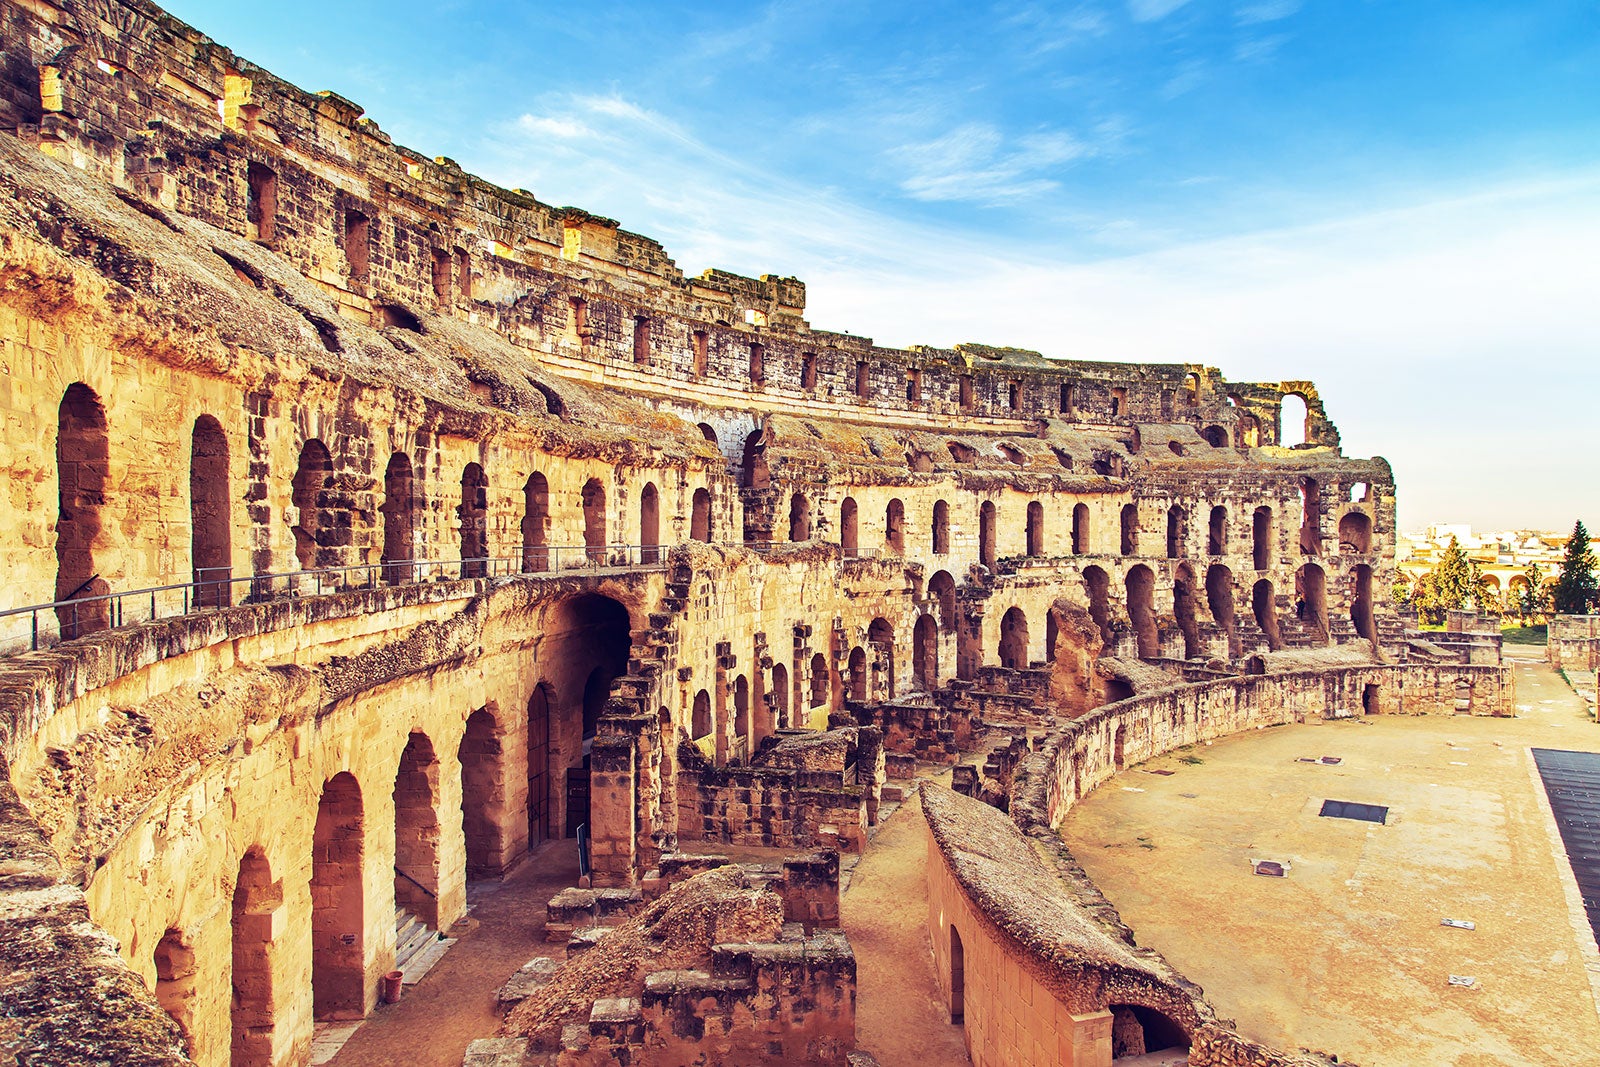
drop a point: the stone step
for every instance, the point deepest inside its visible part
(529, 978)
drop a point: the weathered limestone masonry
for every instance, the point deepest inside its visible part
(475, 521)
(1574, 642)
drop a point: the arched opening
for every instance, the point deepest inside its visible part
(820, 680)
(1130, 529)
(474, 514)
(1014, 639)
(863, 380)
(1370, 697)
(1177, 519)
(700, 516)
(1311, 601)
(535, 523)
(397, 520)
(313, 477)
(1292, 418)
(1361, 602)
(540, 781)
(799, 518)
(958, 978)
(1052, 634)
(1247, 431)
(942, 591)
(649, 524)
(986, 534)
(594, 520)
(857, 665)
(700, 722)
(586, 644)
(1215, 436)
(176, 971)
(338, 903)
(848, 527)
(482, 758)
(1263, 601)
(1358, 492)
(1141, 590)
(1183, 609)
(894, 527)
(880, 635)
(1191, 389)
(1098, 585)
(780, 696)
(941, 528)
(1217, 532)
(211, 524)
(708, 433)
(1139, 1031)
(1117, 689)
(1310, 517)
(1119, 744)
(82, 461)
(925, 653)
(754, 464)
(416, 831)
(1219, 599)
(1262, 536)
(741, 716)
(1080, 529)
(1355, 533)
(1035, 528)
(256, 899)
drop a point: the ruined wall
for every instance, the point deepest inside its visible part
(1574, 642)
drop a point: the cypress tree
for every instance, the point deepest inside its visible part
(1575, 586)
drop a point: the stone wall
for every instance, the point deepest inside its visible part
(1574, 642)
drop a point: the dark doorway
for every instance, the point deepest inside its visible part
(338, 903)
(398, 547)
(210, 522)
(82, 461)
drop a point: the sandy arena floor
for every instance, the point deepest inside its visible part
(1347, 953)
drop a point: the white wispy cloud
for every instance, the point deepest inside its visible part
(976, 163)
(1265, 11)
(1153, 10)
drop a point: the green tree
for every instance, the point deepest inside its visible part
(1575, 586)
(1534, 597)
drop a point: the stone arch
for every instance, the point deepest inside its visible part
(941, 528)
(1215, 436)
(586, 644)
(1080, 529)
(753, 461)
(1097, 584)
(1361, 602)
(857, 665)
(700, 723)
(894, 526)
(1177, 524)
(541, 782)
(986, 533)
(1263, 603)
(1119, 747)
(821, 680)
(1311, 600)
(700, 516)
(780, 696)
(880, 635)
(482, 759)
(257, 898)
(176, 975)
(1293, 418)
(211, 523)
(1219, 599)
(1310, 517)
(849, 527)
(535, 523)
(594, 520)
(958, 979)
(741, 713)
(83, 452)
(1014, 639)
(474, 515)
(1217, 532)
(942, 591)
(1137, 1030)
(925, 653)
(708, 433)
(1355, 533)
(1183, 609)
(1141, 589)
(1035, 529)
(1262, 535)
(649, 524)
(338, 902)
(1130, 529)
(397, 511)
(1247, 431)
(416, 830)
(799, 518)
(313, 478)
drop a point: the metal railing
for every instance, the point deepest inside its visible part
(40, 625)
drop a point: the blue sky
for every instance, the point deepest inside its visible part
(1398, 200)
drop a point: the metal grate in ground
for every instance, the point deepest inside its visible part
(1349, 809)
(1572, 781)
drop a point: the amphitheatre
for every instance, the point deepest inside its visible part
(383, 543)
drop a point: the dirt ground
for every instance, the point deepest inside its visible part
(1347, 953)
(899, 1016)
(454, 1002)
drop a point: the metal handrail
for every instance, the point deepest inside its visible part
(80, 615)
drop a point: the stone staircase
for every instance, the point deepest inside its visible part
(417, 947)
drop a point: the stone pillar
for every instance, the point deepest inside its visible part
(612, 796)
